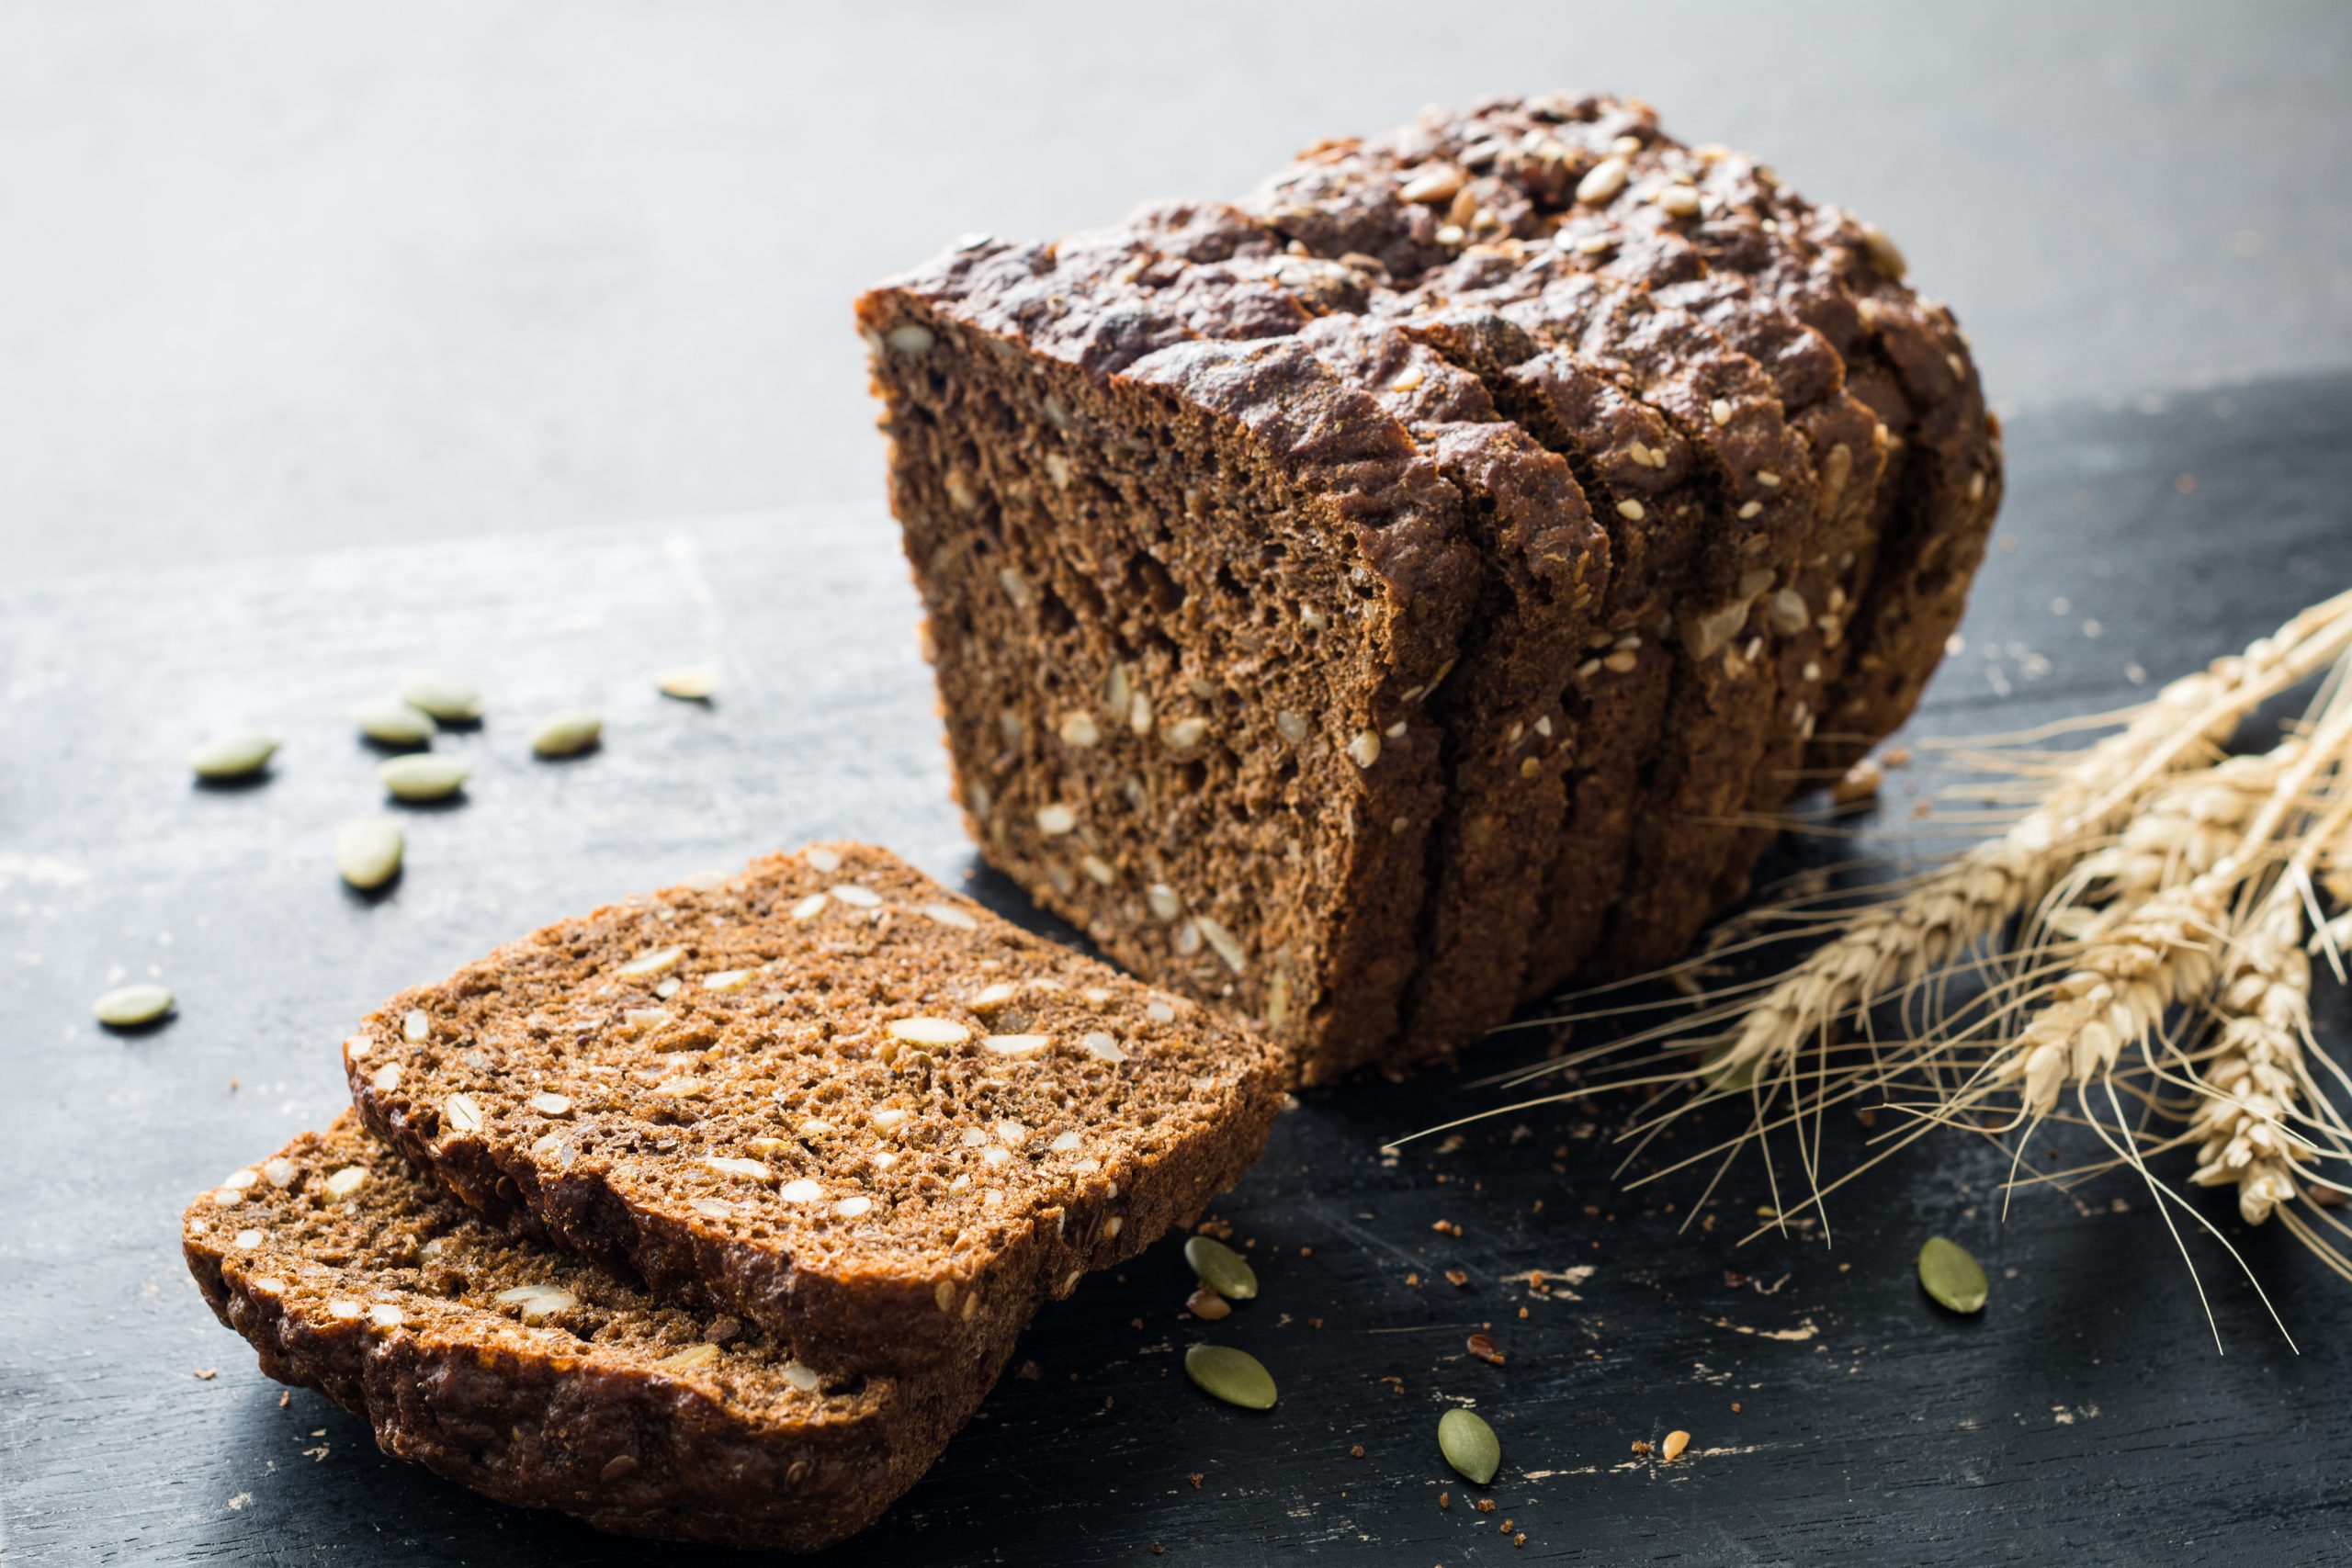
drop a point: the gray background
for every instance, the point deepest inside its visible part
(279, 277)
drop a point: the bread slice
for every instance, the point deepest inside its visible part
(825, 1095)
(1185, 596)
(1904, 357)
(542, 1380)
(1599, 187)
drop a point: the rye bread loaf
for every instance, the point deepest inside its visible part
(1185, 596)
(540, 1380)
(825, 1095)
(1740, 552)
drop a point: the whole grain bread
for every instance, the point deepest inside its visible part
(529, 1374)
(825, 1095)
(1614, 295)
(1185, 597)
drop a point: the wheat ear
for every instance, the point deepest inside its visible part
(2252, 1085)
(1889, 947)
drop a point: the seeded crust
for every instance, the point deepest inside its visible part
(1762, 521)
(1904, 357)
(1510, 175)
(356, 1275)
(1187, 591)
(870, 1117)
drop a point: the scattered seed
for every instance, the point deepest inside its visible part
(692, 684)
(1221, 1268)
(1675, 1443)
(233, 756)
(424, 776)
(445, 697)
(1234, 1376)
(1950, 1275)
(1485, 1348)
(392, 722)
(1206, 1304)
(128, 1007)
(368, 853)
(567, 734)
(1860, 783)
(1469, 1445)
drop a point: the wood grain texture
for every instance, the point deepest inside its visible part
(2084, 1418)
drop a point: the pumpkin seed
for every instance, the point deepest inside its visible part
(233, 756)
(693, 683)
(424, 776)
(567, 734)
(1469, 1445)
(367, 852)
(1234, 1376)
(1221, 1268)
(392, 722)
(444, 696)
(1950, 1275)
(128, 1007)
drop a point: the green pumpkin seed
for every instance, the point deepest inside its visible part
(1949, 1274)
(1221, 1268)
(445, 697)
(128, 1007)
(367, 852)
(693, 683)
(233, 756)
(1469, 1445)
(424, 776)
(567, 734)
(1231, 1375)
(392, 722)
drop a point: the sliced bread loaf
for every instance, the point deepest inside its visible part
(529, 1374)
(824, 1094)
(1185, 597)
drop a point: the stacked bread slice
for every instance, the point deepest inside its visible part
(714, 1214)
(1372, 604)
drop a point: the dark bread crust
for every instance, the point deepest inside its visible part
(1130, 349)
(575, 1410)
(1507, 175)
(1906, 357)
(878, 1201)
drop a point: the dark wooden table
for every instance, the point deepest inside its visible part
(1837, 1416)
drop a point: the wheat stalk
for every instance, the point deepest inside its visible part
(1885, 948)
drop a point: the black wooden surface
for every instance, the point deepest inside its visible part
(1836, 1415)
